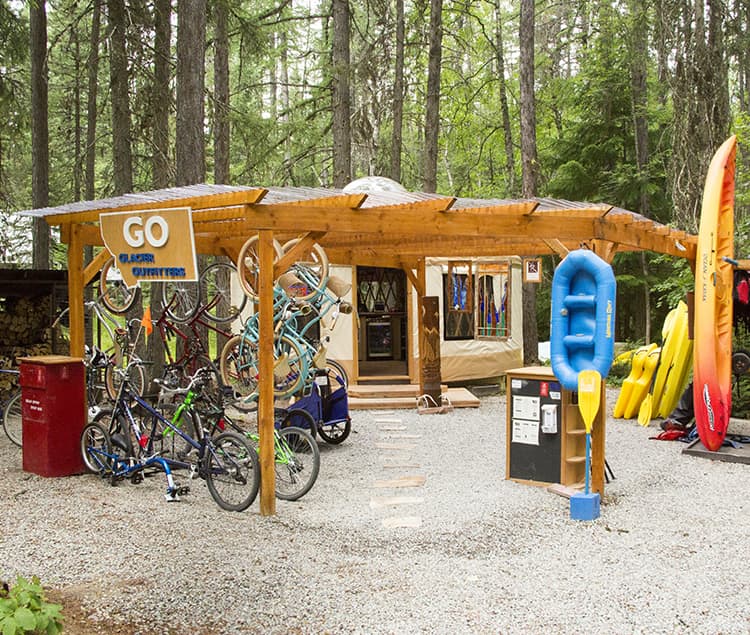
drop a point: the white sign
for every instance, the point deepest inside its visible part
(525, 407)
(526, 432)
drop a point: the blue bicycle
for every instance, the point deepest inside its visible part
(139, 439)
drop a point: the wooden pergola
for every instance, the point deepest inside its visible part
(384, 229)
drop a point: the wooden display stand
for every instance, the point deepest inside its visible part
(551, 458)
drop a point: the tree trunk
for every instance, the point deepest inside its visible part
(398, 95)
(529, 163)
(162, 96)
(39, 132)
(189, 141)
(510, 161)
(432, 104)
(122, 162)
(342, 134)
(92, 65)
(221, 95)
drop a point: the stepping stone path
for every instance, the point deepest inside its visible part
(399, 466)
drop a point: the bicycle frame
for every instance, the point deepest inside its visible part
(193, 345)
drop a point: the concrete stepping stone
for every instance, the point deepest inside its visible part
(403, 481)
(395, 446)
(405, 465)
(379, 502)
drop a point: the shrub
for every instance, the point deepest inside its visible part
(23, 609)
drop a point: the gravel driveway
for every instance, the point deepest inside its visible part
(465, 552)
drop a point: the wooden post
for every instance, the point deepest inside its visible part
(75, 292)
(265, 354)
(421, 290)
(429, 350)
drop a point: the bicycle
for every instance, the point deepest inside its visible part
(11, 409)
(183, 299)
(193, 353)
(296, 454)
(101, 363)
(294, 354)
(226, 461)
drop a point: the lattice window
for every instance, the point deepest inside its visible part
(458, 302)
(492, 300)
(381, 290)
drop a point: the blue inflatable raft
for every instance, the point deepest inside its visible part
(582, 326)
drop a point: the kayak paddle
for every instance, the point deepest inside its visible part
(589, 396)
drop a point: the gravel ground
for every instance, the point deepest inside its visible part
(667, 555)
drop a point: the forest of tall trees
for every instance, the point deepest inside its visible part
(617, 101)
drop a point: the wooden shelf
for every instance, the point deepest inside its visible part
(575, 459)
(576, 432)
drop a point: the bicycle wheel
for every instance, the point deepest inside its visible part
(96, 449)
(12, 419)
(113, 291)
(136, 374)
(232, 472)
(335, 433)
(299, 418)
(297, 462)
(311, 269)
(240, 367)
(248, 266)
(121, 437)
(216, 288)
(181, 299)
(337, 375)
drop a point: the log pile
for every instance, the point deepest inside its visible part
(24, 332)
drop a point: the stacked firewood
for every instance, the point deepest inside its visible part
(24, 332)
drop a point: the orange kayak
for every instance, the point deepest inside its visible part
(712, 351)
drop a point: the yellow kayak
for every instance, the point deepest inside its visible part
(629, 385)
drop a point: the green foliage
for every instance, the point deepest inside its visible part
(23, 609)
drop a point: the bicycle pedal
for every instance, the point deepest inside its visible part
(172, 496)
(184, 490)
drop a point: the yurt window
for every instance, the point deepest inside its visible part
(492, 301)
(458, 300)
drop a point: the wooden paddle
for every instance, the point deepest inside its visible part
(589, 397)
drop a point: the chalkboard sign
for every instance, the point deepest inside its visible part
(534, 425)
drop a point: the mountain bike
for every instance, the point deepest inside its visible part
(129, 441)
(296, 454)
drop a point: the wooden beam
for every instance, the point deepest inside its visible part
(413, 279)
(557, 247)
(95, 266)
(303, 247)
(266, 254)
(605, 249)
(208, 201)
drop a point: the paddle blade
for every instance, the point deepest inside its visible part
(644, 412)
(589, 395)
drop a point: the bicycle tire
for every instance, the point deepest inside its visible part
(240, 366)
(248, 266)
(297, 463)
(113, 291)
(118, 429)
(312, 271)
(299, 418)
(215, 281)
(335, 433)
(180, 299)
(136, 376)
(232, 467)
(337, 375)
(12, 420)
(94, 442)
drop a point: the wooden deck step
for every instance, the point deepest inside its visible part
(459, 398)
(378, 391)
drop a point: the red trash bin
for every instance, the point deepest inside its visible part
(53, 414)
